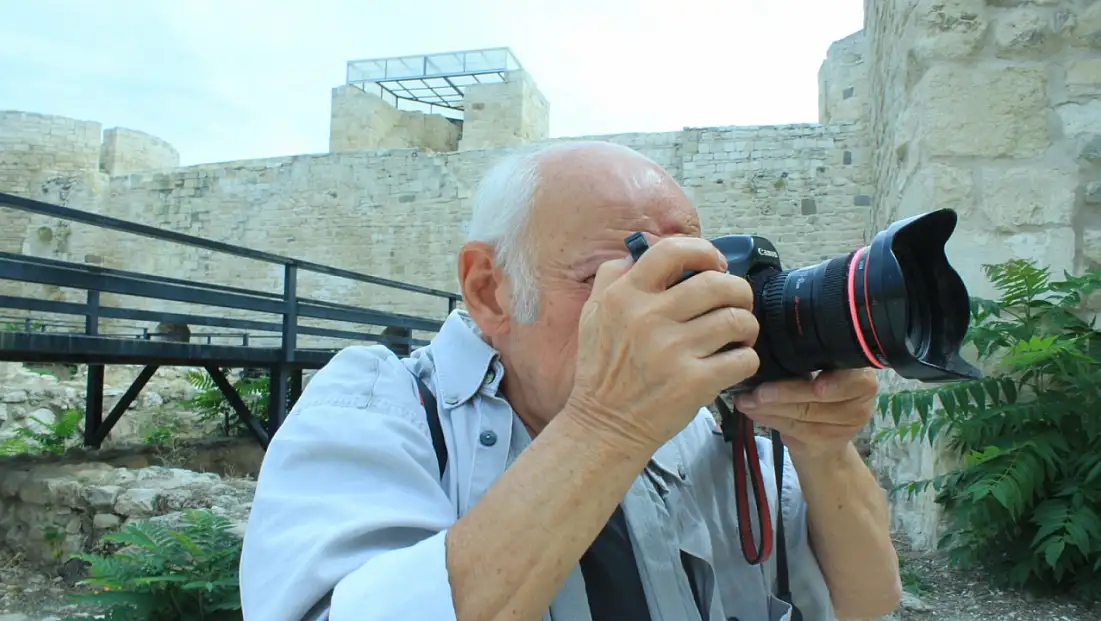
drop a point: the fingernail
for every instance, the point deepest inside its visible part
(745, 402)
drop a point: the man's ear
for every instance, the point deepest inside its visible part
(486, 291)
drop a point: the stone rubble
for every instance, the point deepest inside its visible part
(51, 511)
(34, 396)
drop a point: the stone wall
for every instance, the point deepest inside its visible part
(32, 147)
(49, 512)
(505, 114)
(843, 83)
(127, 150)
(402, 214)
(362, 120)
(991, 109)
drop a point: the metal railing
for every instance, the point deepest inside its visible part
(90, 346)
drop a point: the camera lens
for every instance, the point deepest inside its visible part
(816, 318)
(894, 304)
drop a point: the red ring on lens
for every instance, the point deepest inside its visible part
(872, 358)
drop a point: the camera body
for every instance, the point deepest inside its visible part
(896, 304)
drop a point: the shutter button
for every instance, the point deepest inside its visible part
(487, 438)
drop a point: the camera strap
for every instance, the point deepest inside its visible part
(737, 429)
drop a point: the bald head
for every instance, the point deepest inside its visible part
(539, 207)
(544, 222)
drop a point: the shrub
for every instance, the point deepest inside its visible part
(1025, 499)
(164, 574)
(213, 407)
(52, 438)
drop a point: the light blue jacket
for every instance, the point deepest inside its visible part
(350, 510)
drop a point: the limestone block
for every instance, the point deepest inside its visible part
(948, 28)
(1084, 77)
(938, 186)
(974, 245)
(1091, 244)
(102, 497)
(1023, 31)
(1086, 26)
(106, 521)
(137, 502)
(1078, 119)
(11, 481)
(1093, 193)
(984, 111)
(1018, 197)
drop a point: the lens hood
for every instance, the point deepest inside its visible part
(904, 285)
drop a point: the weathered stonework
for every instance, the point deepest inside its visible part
(52, 511)
(990, 108)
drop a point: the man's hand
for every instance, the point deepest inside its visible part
(819, 417)
(648, 356)
(846, 509)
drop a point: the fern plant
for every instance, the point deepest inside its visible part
(1025, 498)
(54, 437)
(214, 408)
(164, 574)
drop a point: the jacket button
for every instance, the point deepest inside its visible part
(487, 438)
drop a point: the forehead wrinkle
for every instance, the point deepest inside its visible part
(591, 196)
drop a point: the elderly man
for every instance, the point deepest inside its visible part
(583, 480)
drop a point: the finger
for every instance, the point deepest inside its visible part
(718, 328)
(827, 387)
(800, 412)
(781, 392)
(730, 367)
(704, 292)
(809, 431)
(667, 260)
(609, 272)
(846, 384)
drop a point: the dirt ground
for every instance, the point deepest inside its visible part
(936, 592)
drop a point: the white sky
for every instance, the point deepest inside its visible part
(235, 79)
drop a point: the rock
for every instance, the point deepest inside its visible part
(102, 496)
(137, 503)
(913, 603)
(151, 399)
(106, 521)
(15, 396)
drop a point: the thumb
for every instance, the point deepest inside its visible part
(609, 272)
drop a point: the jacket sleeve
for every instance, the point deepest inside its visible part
(349, 519)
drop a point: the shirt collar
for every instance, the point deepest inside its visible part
(464, 361)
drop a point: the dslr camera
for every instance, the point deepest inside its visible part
(896, 304)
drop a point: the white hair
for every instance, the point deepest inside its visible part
(502, 210)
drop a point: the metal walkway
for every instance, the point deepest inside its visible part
(285, 362)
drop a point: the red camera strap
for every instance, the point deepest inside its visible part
(738, 430)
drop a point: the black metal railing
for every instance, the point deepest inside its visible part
(95, 348)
